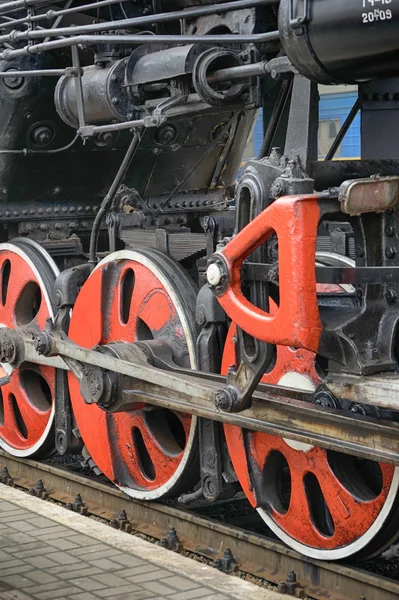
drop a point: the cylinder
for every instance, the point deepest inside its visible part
(341, 41)
(104, 96)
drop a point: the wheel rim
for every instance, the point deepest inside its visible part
(323, 504)
(27, 275)
(135, 296)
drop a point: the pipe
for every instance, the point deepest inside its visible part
(106, 203)
(17, 36)
(275, 118)
(259, 38)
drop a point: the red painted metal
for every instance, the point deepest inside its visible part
(296, 323)
(26, 402)
(352, 517)
(130, 449)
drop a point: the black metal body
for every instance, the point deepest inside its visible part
(136, 141)
(335, 42)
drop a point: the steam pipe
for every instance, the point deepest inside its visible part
(17, 36)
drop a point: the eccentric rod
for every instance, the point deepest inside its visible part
(17, 36)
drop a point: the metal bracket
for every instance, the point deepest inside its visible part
(296, 22)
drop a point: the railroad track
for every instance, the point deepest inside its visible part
(256, 554)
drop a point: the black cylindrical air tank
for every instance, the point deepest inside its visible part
(341, 41)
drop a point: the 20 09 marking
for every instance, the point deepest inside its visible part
(377, 15)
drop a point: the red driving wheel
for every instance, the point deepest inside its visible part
(135, 296)
(323, 504)
(27, 275)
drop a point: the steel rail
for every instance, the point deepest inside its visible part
(256, 554)
(273, 409)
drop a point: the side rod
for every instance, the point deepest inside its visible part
(279, 415)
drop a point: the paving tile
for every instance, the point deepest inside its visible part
(145, 568)
(40, 588)
(42, 550)
(216, 597)
(96, 548)
(139, 595)
(23, 568)
(20, 538)
(63, 558)
(16, 548)
(110, 580)
(59, 569)
(180, 583)
(153, 575)
(7, 506)
(81, 596)
(22, 525)
(119, 591)
(4, 556)
(40, 562)
(80, 572)
(128, 560)
(83, 541)
(60, 593)
(105, 564)
(17, 581)
(106, 552)
(50, 533)
(40, 522)
(42, 577)
(158, 588)
(189, 595)
(62, 544)
(9, 564)
(90, 584)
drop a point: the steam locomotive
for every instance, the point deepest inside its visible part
(196, 334)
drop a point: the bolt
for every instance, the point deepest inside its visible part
(43, 343)
(226, 399)
(42, 135)
(78, 500)
(214, 274)
(115, 100)
(389, 230)
(390, 296)
(390, 252)
(13, 83)
(326, 399)
(201, 318)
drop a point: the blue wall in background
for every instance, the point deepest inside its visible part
(332, 106)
